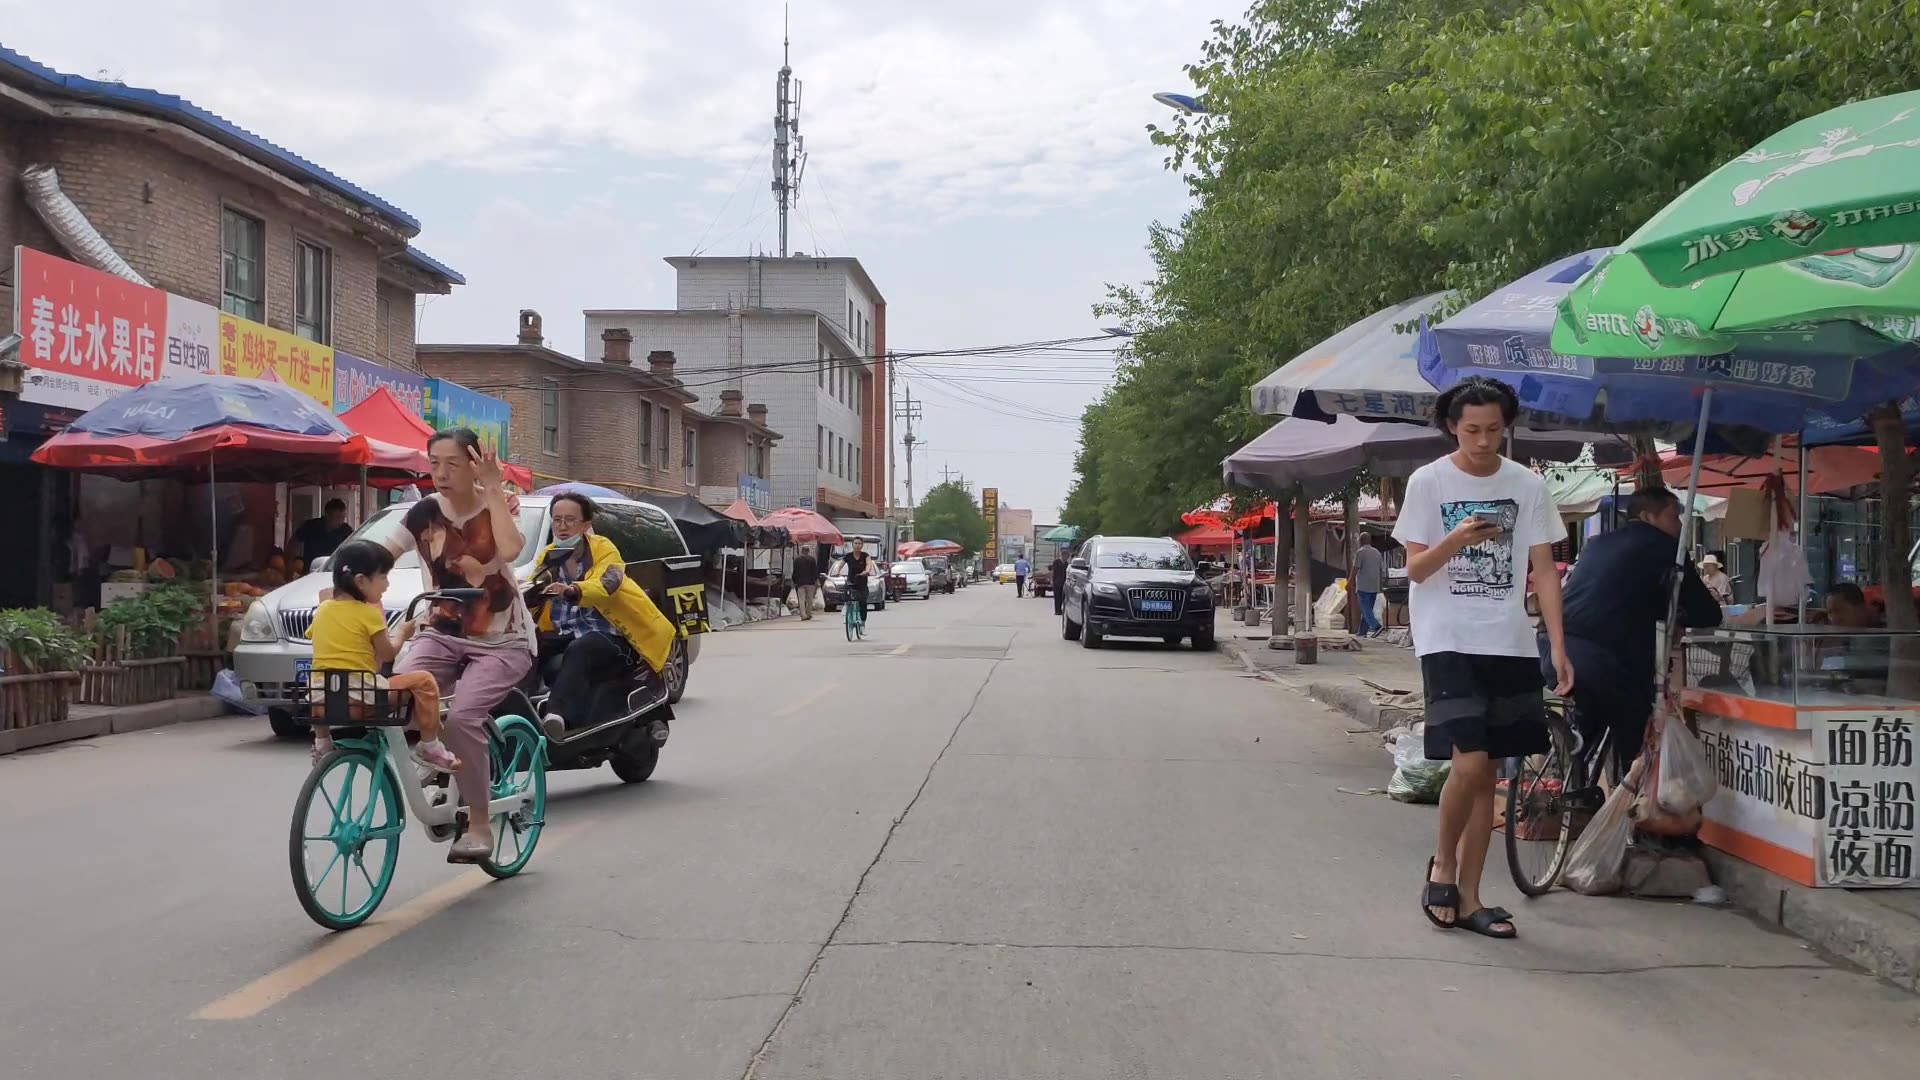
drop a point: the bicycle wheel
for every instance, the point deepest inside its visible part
(852, 615)
(518, 764)
(345, 839)
(1539, 820)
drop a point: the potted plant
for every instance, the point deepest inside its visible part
(136, 647)
(39, 661)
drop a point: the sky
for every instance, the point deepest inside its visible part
(988, 163)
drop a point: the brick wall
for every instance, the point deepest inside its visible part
(723, 455)
(161, 210)
(599, 419)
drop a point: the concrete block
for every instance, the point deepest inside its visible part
(77, 727)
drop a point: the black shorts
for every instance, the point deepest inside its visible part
(1483, 703)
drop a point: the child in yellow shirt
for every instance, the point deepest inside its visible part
(350, 634)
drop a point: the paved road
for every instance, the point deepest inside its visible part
(964, 848)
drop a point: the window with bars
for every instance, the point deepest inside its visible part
(665, 433)
(312, 292)
(646, 433)
(689, 449)
(550, 418)
(243, 286)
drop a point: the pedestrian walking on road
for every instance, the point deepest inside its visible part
(1059, 580)
(806, 582)
(1472, 522)
(1367, 562)
(1021, 568)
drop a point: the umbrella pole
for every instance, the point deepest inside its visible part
(213, 546)
(1800, 521)
(1685, 545)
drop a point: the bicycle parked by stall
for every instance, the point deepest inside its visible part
(1549, 794)
(351, 812)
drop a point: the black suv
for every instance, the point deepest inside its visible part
(1135, 586)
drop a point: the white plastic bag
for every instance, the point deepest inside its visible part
(1415, 779)
(1783, 570)
(1687, 781)
(1600, 855)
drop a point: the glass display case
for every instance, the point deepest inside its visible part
(1812, 739)
(1804, 666)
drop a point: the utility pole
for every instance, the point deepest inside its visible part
(907, 412)
(892, 405)
(947, 474)
(789, 147)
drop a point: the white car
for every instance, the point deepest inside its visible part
(274, 646)
(917, 581)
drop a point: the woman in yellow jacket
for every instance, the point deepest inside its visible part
(597, 631)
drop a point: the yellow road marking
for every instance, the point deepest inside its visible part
(347, 946)
(904, 648)
(806, 701)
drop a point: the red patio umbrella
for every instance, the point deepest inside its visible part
(738, 510)
(805, 526)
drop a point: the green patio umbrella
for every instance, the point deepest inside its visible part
(1062, 534)
(1803, 244)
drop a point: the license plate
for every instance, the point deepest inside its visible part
(302, 669)
(1156, 605)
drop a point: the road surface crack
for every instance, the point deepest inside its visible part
(651, 940)
(766, 1044)
(1312, 955)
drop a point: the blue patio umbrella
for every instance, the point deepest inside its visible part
(1507, 334)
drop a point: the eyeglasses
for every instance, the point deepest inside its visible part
(568, 521)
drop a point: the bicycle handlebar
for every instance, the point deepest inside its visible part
(456, 596)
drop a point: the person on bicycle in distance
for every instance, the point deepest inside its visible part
(1473, 522)
(467, 537)
(597, 620)
(1615, 598)
(859, 567)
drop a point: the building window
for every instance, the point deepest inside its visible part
(819, 447)
(665, 432)
(312, 292)
(688, 451)
(243, 288)
(849, 319)
(823, 367)
(550, 418)
(856, 464)
(646, 433)
(383, 333)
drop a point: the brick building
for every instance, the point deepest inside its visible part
(608, 421)
(205, 209)
(104, 174)
(805, 335)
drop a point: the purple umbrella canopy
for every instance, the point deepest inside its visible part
(1325, 458)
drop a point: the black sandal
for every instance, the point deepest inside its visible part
(1438, 894)
(1481, 922)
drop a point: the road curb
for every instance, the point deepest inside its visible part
(1853, 928)
(116, 720)
(1354, 702)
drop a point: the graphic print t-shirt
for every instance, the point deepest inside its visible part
(461, 553)
(1477, 603)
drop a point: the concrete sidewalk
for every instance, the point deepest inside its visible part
(1877, 929)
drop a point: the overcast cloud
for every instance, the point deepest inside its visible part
(987, 162)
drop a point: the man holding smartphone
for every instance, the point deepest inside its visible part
(1472, 523)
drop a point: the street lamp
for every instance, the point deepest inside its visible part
(1182, 103)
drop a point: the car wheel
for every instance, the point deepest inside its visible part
(676, 674)
(1173, 640)
(833, 607)
(1090, 635)
(1203, 641)
(281, 721)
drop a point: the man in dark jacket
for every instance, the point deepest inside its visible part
(806, 581)
(1059, 580)
(1615, 598)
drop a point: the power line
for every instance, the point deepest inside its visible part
(745, 171)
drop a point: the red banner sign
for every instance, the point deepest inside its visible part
(85, 335)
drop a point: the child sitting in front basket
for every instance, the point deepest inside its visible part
(350, 634)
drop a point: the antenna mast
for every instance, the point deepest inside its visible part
(789, 146)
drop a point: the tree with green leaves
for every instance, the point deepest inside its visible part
(949, 512)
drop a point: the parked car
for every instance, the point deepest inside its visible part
(834, 595)
(916, 581)
(273, 634)
(1003, 574)
(1135, 586)
(940, 571)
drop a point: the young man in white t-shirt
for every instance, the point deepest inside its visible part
(1473, 522)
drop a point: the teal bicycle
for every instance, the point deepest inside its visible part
(351, 812)
(856, 608)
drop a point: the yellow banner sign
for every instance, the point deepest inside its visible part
(250, 350)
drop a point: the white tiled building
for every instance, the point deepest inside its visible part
(805, 335)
